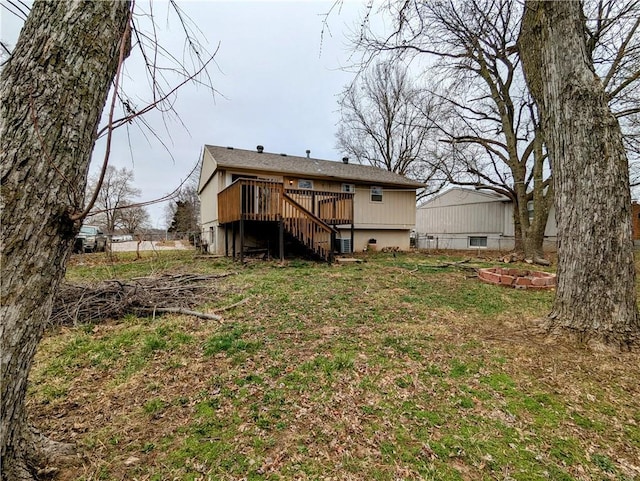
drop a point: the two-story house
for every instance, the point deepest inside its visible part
(255, 200)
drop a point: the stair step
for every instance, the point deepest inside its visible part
(348, 260)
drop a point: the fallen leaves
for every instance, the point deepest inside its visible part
(358, 373)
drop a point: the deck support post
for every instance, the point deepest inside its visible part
(332, 246)
(281, 239)
(233, 239)
(352, 237)
(226, 240)
(242, 239)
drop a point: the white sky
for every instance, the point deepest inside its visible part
(278, 87)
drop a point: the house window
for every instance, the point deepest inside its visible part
(376, 194)
(350, 188)
(305, 184)
(478, 241)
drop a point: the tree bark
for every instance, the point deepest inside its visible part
(53, 90)
(595, 296)
(517, 229)
(541, 196)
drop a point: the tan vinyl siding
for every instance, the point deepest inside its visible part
(397, 209)
(209, 202)
(384, 239)
(208, 167)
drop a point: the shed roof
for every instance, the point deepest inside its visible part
(462, 195)
(228, 157)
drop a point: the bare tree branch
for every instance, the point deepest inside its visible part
(388, 122)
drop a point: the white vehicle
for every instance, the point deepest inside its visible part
(121, 238)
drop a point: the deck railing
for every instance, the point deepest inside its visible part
(334, 208)
(250, 199)
(262, 200)
(305, 214)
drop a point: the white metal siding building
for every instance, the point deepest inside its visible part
(470, 219)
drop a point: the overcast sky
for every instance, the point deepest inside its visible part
(278, 78)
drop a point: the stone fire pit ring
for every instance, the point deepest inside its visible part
(517, 278)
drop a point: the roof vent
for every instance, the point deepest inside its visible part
(260, 149)
(230, 148)
(345, 160)
(283, 155)
(308, 153)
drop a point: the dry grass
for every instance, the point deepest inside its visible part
(389, 370)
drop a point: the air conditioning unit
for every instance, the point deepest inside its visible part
(345, 246)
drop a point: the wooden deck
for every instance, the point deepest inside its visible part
(262, 200)
(309, 216)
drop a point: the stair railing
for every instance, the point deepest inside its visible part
(308, 228)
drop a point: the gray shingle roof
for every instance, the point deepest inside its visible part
(227, 157)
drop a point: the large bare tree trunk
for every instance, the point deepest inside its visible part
(541, 197)
(517, 230)
(53, 92)
(596, 275)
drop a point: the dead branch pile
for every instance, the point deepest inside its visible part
(178, 293)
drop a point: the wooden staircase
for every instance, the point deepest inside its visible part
(311, 231)
(306, 215)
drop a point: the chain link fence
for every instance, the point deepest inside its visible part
(473, 242)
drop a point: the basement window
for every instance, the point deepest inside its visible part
(478, 241)
(376, 194)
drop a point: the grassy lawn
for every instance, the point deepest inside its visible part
(392, 369)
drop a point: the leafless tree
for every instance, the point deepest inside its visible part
(492, 133)
(386, 122)
(494, 137)
(133, 219)
(613, 43)
(183, 211)
(54, 86)
(596, 296)
(117, 191)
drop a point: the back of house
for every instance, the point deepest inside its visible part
(252, 200)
